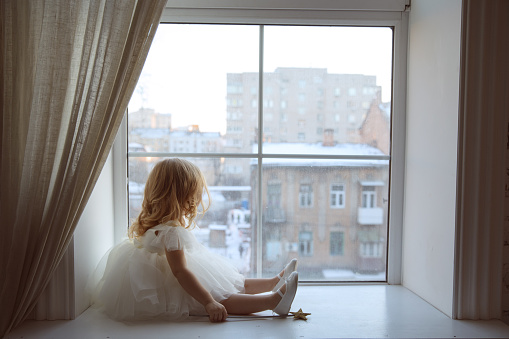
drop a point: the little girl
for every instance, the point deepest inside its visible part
(163, 271)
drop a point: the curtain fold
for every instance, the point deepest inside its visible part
(68, 71)
(484, 110)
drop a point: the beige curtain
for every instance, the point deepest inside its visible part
(484, 110)
(68, 69)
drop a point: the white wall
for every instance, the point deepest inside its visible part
(93, 235)
(431, 150)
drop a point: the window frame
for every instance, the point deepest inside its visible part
(306, 193)
(368, 197)
(375, 13)
(340, 203)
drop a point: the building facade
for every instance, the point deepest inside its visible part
(331, 214)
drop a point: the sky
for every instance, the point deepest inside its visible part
(185, 71)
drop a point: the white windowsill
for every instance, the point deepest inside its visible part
(347, 311)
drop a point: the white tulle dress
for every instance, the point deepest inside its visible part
(136, 282)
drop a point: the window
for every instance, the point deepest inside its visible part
(306, 243)
(337, 240)
(260, 161)
(274, 213)
(306, 196)
(371, 249)
(368, 197)
(337, 196)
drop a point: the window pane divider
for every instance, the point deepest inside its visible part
(259, 200)
(258, 155)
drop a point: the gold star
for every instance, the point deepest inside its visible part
(300, 315)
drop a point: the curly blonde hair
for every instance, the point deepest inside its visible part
(173, 191)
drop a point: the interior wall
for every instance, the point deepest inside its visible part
(431, 150)
(93, 235)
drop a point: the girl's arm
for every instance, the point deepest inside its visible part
(189, 282)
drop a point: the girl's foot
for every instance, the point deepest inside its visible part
(287, 293)
(285, 273)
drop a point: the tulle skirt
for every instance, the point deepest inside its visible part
(132, 283)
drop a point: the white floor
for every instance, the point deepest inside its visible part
(375, 311)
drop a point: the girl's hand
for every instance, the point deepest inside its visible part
(216, 311)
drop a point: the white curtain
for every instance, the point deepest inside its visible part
(484, 110)
(68, 69)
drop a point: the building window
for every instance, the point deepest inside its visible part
(306, 196)
(371, 249)
(368, 197)
(274, 212)
(337, 196)
(306, 243)
(337, 243)
(274, 195)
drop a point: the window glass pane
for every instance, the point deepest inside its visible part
(332, 244)
(335, 83)
(325, 109)
(198, 90)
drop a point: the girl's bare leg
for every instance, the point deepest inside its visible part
(247, 304)
(255, 286)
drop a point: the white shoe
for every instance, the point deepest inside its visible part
(289, 268)
(286, 299)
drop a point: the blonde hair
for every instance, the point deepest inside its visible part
(173, 191)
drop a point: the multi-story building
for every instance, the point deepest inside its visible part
(332, 214)
(148, 118)
(191, 140)
(299, 104)
(186, 140)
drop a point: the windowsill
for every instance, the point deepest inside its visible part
(336, 311)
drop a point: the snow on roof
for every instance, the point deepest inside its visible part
(229, 188)
(319, 149)
(135, 145)
(186, 134)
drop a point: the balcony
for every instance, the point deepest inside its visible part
(370, 216)
(274, 215)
